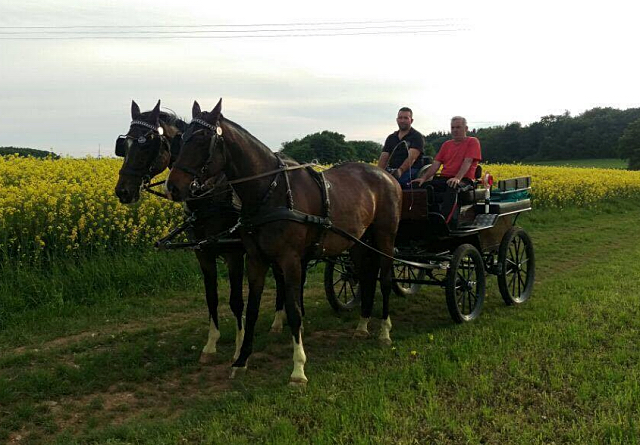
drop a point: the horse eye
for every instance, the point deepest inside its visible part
(142, 140)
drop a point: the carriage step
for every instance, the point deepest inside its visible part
(482, 221)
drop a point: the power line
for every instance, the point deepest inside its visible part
(146, 37)
(365, 22)
(233, 31)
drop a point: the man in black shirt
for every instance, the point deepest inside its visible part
(403, 149)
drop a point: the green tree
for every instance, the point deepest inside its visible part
(24, 152)
(367, 151)
(629, 144)
(328, 147)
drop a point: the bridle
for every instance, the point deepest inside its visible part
(216, 140)
(146, 173)
(200, 187)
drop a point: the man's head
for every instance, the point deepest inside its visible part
(458, 128)
(405, 118)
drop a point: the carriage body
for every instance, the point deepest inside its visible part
(484, 241)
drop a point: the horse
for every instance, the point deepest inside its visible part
(150, 147)
(291, 215)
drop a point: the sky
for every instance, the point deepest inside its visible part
(69, 70)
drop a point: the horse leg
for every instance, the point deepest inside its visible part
(385, 244)
(209, 269)
(235, 265)
(256, 272)
(278, 319)
(292, 269)
(362, 262)
(303, 281)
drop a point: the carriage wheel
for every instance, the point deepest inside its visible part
(406, 272)
(465, 285)
(517, 266)
(341, 284)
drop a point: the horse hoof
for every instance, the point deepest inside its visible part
(276, 331)
(298, 382)
(236, 372)
(385, 341)
(206, 358)
(360, 334)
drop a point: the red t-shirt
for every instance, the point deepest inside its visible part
(452, 154)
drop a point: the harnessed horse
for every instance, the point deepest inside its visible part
(149, 147)
(290, 215)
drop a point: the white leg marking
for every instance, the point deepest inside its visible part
(212, 341)
(385, 329)
(239, 339)
(209, 349)
(362, 330)
(278, 322)
(299, 359)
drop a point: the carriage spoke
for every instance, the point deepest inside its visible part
(343, 290)
(521, 281)
(353, 292)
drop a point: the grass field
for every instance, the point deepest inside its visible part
(619, 164)
(562, 368)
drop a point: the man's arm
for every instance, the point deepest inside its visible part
(411, 158)
(383, 160)
(464, 168)
(428, 175)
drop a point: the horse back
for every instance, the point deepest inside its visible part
(362, 195)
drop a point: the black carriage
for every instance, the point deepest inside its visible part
(485, 240)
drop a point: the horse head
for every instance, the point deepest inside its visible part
(202, 155)
(148, 149)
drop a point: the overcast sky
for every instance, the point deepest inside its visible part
(494, 62)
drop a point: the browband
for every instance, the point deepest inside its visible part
(146, 125)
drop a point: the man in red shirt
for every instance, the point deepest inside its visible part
(459, 157)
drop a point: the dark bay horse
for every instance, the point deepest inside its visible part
(291, 215)
(148, 148)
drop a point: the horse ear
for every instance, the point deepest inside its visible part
(195, 110)
(155, 113)
(217, 109)
(135, 110)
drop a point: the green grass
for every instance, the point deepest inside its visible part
(620, 164)
(562, 368)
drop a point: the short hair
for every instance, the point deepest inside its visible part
(459, 118)
(406, 109)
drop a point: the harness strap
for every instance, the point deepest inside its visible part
(284, 213)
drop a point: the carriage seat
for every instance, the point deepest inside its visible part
(468, 194)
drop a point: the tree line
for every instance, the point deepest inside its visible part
(596, 133)
(24, 152)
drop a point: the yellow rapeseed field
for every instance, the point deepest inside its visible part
(559, 187)
(51, 208)
(60, 208)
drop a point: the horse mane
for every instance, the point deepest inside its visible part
(244, 133)
(169, 118)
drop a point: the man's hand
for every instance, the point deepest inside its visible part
(453, 182)
(396, 173)
(419, 181)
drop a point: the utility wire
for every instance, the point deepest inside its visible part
(233, 31)
(363, 22)
(245, 36)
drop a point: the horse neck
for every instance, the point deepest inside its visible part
(247, 157)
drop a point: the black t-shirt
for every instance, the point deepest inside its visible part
(413, 138)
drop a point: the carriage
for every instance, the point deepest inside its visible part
(484, 241)
(291, 215)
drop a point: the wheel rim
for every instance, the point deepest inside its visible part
(405, 272)
(466, 288)
(517, 268)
